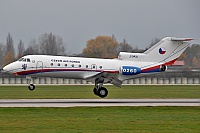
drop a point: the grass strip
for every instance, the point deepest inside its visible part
(100, 119)
(86, 91)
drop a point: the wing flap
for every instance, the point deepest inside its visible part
(109, 77)
(116, 82)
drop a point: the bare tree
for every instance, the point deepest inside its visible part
(9, 55)
(2, 53)
(137, 50)
(10, 45)
(125, 47)
(51, 44)
(33, 48)
(153, 42)
(21, 49)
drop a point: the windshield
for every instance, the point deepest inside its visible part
(24, 59)
(21, 59)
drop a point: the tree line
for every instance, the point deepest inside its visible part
(99, 47)
(47, 44)
(108, 47)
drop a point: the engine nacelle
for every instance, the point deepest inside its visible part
(129, 70)
(160, 68)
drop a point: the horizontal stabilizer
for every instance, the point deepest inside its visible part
(181, 39)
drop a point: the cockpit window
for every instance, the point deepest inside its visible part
(25, 59)
(20, 59)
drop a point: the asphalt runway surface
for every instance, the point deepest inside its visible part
(96, 102)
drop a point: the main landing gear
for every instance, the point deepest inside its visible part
(99, 90)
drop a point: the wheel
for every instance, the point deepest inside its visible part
(95, 90)
(31, 87)
(102, 92)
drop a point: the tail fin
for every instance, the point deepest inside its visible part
(165, 51)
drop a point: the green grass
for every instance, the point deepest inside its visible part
(101, 119)
(86, 91)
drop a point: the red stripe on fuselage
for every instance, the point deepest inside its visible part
(150, 69)
(157, 67)
(27, 72)
(170, 62)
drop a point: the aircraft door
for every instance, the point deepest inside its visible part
(39, 65)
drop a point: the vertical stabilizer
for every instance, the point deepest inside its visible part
(167, 50)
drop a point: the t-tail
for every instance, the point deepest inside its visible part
(165, 52)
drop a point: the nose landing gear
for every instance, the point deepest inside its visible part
(31, 87)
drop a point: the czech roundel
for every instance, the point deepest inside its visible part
(162, 50)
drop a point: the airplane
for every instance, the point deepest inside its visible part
(101, 71)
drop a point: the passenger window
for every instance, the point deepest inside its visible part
(79, 65)
(86, 66)
(65, 65)
(72, 65)
(100, 67)
(28, 60)
(51, 64)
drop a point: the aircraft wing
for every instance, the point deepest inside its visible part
(108, 77)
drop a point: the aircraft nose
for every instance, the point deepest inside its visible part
(7, 68)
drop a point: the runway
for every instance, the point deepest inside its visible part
(96, 102)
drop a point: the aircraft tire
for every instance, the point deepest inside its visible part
(102, 92)
(95, 90)
(31, 87)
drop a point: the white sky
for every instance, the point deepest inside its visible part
(76, 21)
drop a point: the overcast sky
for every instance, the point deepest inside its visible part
(76, 21)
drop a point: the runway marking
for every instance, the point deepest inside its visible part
(96, 102)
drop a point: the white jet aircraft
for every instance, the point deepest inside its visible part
(100, 71)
